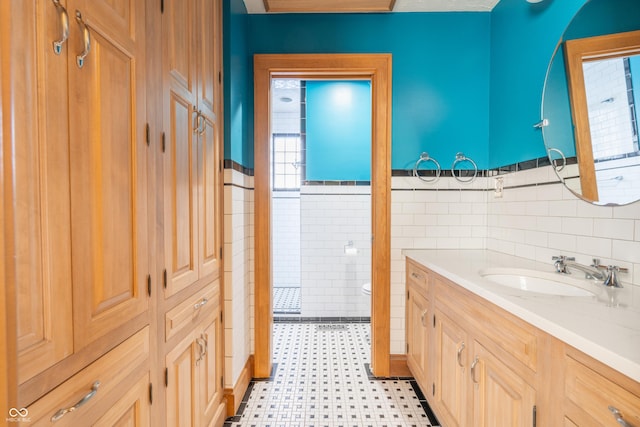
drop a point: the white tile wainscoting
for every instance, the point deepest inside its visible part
(536, 218)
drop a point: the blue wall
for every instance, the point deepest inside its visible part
(468, 82)
(338, 143)
(238, 85)
(440, 73)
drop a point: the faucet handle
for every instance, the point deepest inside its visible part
(612, 278)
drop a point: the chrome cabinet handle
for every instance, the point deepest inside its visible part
(473, 370)
(64, 24)
(206, 344)
(618, 416)
(203, 127)
(201, 352)
(460, 354)
(62, 412)
(198, 122)
(415, 275)
(86, 38)
(424, 313)
(202, 302)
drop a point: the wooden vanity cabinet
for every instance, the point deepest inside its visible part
(487, 367)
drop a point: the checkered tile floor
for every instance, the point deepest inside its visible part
(322, 379)
(286, 300)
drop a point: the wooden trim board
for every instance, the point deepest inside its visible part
(234, 395)
(377, 69)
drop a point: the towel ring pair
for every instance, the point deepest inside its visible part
(554, 162)
(424, 157)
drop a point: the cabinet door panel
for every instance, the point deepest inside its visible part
(208, 57)
(178, 21)
(417, 321)
(501, 397)
(132, 410)
(451, 378)
(41, 200)
(108, 179)
(210, 375)
(181, 214)
(181, 389)
(210, 187)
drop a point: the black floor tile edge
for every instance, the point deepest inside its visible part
(433, 420)
(245, 399)
(321, 319)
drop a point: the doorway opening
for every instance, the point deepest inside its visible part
(375, 68)
(321, 199)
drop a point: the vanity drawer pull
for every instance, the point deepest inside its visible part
(87, 397)
(200, 304)
(618, 416)
(416, 275)
(473, 370)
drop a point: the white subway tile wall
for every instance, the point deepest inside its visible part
(332, 276)
(238, 273)
(285, 220)
(536, 222)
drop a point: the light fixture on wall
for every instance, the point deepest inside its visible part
(535, 1)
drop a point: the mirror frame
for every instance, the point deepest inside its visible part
(576, 52)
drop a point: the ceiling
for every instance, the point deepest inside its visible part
(257, 6)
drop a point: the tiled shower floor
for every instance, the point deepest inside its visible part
(321, 379)
(286, 300)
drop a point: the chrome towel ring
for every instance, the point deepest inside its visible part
(462, 158)
(554, 162)
(424, 157)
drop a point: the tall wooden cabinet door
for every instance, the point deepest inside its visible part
(501, 397)
(132, 409)
(451, 362)
(182, 392)
(108, 166)
(40, 202)
(417, 335)
(210, 372)
(210, 197)
(180, 159)
(209, 57)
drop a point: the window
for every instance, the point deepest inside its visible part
(287, 161)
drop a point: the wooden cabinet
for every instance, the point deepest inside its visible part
(192, 154)
(596, 395)
(113, 388)
(194, 378)
(487, 367)
(97, 202)
(80, 201)
(501, 397)
(417, 333)
(451, 367)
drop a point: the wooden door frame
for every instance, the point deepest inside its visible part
(377, 69)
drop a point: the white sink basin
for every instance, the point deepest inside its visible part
(539, 282)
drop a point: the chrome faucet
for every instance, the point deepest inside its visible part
(607, 274)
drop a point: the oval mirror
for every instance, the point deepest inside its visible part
(591, 103)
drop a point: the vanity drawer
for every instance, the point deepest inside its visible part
(100, 385)
(191, 310)
(505, 332)
(590, 394)
(417, 277)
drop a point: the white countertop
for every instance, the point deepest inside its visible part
(610, 334)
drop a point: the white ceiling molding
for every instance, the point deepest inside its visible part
(257, 6)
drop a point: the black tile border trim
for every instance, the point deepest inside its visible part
(232, 164)
(300, 319)
(502, 170)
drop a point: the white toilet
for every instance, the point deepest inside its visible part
(366, 288)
